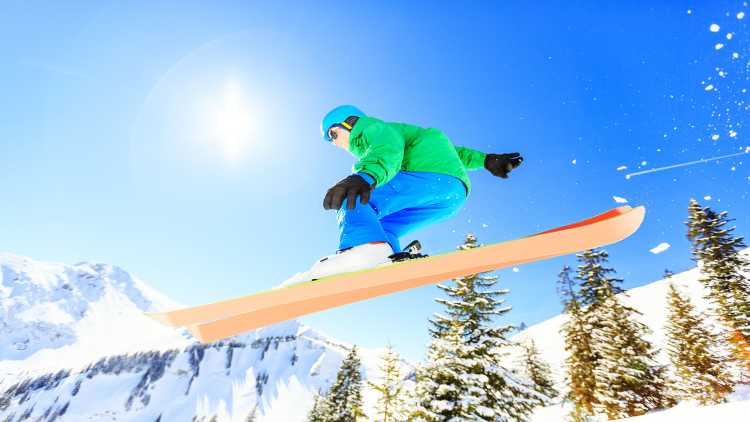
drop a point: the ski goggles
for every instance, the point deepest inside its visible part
(332, 133)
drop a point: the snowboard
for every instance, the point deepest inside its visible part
(215, 321)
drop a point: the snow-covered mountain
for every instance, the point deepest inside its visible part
(70, 315)
(75, 345)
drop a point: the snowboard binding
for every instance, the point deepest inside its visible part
(411, 251)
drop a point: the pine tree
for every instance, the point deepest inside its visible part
(320, 411)
(580, 361)
(470, 350)
(700, 372)
(595, 285)
(628, 381)
(440, 387)
(538, 371)
(391, 403)
(723, 274)
(253, 415)
(344, 399)
(566, 288)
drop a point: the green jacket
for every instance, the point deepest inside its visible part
(385, 148)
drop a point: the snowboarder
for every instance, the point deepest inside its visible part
(406, 178)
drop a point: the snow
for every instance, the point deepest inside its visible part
(740, 15)
(730, 35)
(661, 247)
(736, 411)
(718, 46)
(707, 197)
(60, 313)
(709, 87)
(714, 27)
(687, 412)
(649, 299)
(619, 199)
(715, 137)
(621, 168)
(87, 321)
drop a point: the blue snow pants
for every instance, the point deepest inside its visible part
(409, 201)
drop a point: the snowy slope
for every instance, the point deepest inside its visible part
(684, 412)
(75, 345)
(650, 300)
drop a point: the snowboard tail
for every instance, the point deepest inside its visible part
(223, 319)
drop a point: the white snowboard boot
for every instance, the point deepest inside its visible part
(357, 258)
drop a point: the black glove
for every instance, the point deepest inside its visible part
(348, 188)
(501, 164)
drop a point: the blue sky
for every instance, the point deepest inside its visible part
(180, 140)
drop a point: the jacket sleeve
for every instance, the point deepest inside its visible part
(383, 155)
(471, 159)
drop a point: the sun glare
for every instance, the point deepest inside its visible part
(232, 122)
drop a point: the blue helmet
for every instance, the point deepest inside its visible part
(336, 117)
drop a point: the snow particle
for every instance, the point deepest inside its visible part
(573, 162)
(661, 247)
(719, 46)
(715, 137)
(732, 133)
(735, 55)
(621, 168)
(620, 200)
(707, 197)
(709, 87)
(740, 15)
(690, 12)
(515, 269)
(714, 27)
(643, 163)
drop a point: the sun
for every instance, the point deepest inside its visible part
(231, 121)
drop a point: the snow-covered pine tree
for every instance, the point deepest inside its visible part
(538, 371)
(723, 272)
(344, 399)
(392, 396)
(580, 361)
(319, 411)
(439, 386)
(700, 372)
(629, 381)
(488, 391)
(253, 415)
